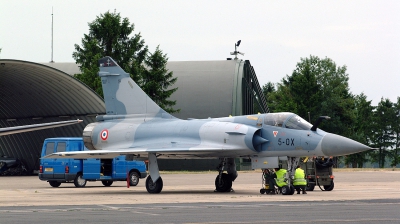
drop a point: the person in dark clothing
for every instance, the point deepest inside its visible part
(270, 179)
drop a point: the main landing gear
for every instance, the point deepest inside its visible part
(223, 182)
(154, 183)
(154, 187)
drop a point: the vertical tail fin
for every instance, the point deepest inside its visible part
(121, 94)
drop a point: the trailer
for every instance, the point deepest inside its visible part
(319, 173)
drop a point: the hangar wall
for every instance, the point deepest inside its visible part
(216, 89)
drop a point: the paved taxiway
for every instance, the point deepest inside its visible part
(358, 197)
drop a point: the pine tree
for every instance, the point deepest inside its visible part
(111, 35)
(396, 128)
(383, 136)
(361, 131)
(156, 80)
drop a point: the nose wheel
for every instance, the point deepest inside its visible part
(288, 190)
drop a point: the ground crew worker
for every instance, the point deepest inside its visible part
(280, 177)
(299, 181)
(270, 179)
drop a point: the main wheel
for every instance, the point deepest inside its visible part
(133, 178)
(107, 183)
(329, 187)
(154, 187)
(79, 181)
(225, 184)
(54, 183)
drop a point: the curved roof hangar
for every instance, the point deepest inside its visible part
(32, 93)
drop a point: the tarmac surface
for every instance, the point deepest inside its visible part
(358, 197)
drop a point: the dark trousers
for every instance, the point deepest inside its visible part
(300, 188)
(271, 183)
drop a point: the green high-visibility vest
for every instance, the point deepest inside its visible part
(299, 179)
(280, 178)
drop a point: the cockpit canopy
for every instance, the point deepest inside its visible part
(286, 120)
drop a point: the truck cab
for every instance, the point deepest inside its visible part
(79, 171)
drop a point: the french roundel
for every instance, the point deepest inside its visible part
(104, 134)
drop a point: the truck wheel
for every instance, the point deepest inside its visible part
(133, 178)
(79, 181)
(329, 187)
(54, 183)
(107, 183)
(154, 187)
(310, 187)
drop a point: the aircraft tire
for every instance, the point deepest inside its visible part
(329, 187)
(107, 183)
(286, 190)
(133, 178)
(79, 181)
(225, 185)
(54, 183)
(154, 188)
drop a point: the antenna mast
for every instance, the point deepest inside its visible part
(236, 52)
(51, 35)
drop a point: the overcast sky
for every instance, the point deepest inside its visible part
(362, 35)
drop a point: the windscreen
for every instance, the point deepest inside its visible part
(286, 120)
(276, 119)
(296, 122)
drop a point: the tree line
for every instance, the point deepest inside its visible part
(319, 87)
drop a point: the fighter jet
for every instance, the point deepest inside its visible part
(34, 127)
(134, 125)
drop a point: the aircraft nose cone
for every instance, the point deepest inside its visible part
(336, 145)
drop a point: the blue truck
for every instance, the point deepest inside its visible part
(79, 171)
